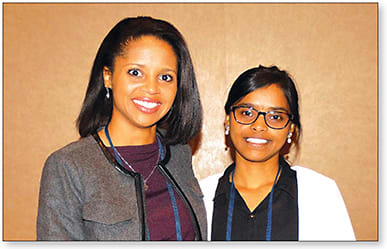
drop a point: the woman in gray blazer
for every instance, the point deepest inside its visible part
(129, 176)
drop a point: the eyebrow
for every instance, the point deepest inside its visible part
(166, 69)
(272, 108)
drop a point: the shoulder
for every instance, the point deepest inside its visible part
(66, 165)
(209, 184)
(215, 183)
(315, 186)
(180, 154)
(182, 150)
(322, 211)
(73, 154)
(312, 184)
(80, 146)
(310, 176)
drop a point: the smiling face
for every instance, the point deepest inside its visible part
(143, 83)
(257, 142)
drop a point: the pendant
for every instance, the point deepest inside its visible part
(146, 187)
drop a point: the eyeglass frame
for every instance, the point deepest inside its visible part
(233, 108)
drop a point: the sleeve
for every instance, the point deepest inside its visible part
(208, 186)
(342, 222)
(60, 201)
(323, 215)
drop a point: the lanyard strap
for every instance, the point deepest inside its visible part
(231, 208)
(175, 212)
(171, 193)
(111, 145)
(170, 189)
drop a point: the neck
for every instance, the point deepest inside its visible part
(123, 135)
(253, 175)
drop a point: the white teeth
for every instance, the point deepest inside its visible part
(146, 104)
(256, 140)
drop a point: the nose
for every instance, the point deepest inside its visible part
(151, 86)
(259, 124)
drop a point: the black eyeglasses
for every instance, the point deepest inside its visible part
(274, 119)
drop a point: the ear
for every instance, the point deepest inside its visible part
(227, 121)
(292, 128)
(107, 77)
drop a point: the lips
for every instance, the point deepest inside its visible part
(146, 105)
(256, 141)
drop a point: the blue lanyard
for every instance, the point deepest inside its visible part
(231, 208)
(170, 189)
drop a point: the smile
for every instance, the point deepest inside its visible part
(256, 140)
(146, 105)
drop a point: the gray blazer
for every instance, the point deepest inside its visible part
(86, 195)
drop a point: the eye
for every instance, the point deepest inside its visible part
(166, 77)
(135, 72)
(246, 112)
(276, 116)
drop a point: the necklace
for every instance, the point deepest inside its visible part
(150, 174)
(169, 185)
(118, 156)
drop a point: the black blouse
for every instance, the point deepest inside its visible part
(248, 225)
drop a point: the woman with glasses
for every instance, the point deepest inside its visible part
(259, 196)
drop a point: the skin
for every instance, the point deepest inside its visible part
(257, 163)
(144, 86)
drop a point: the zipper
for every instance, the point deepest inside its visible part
(178, 190)
(140, 204)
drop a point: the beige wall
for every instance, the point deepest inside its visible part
(330, 49)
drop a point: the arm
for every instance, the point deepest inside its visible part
(208, 186)
(342, 226)
(322, 211)
(60, 201)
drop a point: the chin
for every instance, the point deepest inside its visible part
(256, 157)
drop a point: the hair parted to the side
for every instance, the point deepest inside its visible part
(258, 77)
(184, 119)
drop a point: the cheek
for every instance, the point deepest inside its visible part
(237, 131)
(120, 85)
(170, 93)
(281, 137)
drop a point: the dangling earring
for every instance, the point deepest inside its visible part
(107, 93)
(289, 140)
(227, 131)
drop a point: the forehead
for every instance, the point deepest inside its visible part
(147, 42)
(268, 97)
(147, 50)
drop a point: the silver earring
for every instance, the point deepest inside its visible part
(227, 131)
(289, 140)
(107, 93)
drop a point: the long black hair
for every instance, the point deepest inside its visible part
(184, 119)
(259, 77)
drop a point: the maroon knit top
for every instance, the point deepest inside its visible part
(160, 217)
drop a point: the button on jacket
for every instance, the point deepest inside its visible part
(86, 195)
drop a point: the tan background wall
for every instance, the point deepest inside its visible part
(330, 49)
